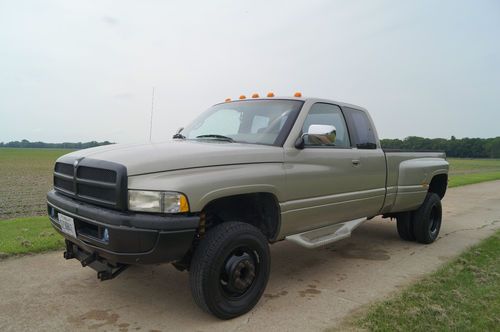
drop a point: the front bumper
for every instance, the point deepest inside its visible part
(124, 237)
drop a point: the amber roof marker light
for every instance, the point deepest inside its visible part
(255, 95)
(227, 100)
(298, 94)
(243, 97)
(270, 94)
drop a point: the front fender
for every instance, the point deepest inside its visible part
(205, 184)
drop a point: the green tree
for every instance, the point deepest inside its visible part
(495, 148)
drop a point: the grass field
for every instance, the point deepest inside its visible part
(469, 171)
(28, 235)
(25, 178)
(463, 295)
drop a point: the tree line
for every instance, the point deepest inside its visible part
(461, 148)
(66, 145)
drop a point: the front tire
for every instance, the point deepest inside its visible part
(427, 219)
(230, 269)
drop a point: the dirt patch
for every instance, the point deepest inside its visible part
(95, 319)
(25, 179)
(309, 292)
(357, 251)
(275, 295)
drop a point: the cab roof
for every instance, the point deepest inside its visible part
(304, 99)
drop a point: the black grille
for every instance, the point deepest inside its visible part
(64, 184)
(94, 181)
(96, 174)
(105, 194)
(64, 168)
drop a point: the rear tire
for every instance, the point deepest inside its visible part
(230, 269)
(427, 219)
(404, 224)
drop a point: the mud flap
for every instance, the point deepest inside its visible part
(105, 269)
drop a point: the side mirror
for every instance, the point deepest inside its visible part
(178, 133)
(318, 135)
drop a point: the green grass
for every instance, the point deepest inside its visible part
(468, 165)
(28, 235)
(470, 171)
(464, 295)
(462, 180)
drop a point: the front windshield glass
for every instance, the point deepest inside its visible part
(247, 121)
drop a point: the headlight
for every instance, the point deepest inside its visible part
(157, 201)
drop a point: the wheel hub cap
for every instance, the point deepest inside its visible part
(240, 272)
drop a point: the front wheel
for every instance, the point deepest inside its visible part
(427, 219)
(230, 269)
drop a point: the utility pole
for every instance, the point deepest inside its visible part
(151, 119)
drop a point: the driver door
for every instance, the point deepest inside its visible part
(330, 183)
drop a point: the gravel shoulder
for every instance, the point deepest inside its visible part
(308, 289)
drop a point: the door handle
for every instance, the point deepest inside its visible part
(355, 162)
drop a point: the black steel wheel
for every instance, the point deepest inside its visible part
(427, 219)
(230, 269)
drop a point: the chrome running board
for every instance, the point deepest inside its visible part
(326, 235)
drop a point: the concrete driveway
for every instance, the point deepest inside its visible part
(308, 289)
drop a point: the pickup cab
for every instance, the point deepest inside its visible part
(243, 175)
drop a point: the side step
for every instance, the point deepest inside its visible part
(326, 235)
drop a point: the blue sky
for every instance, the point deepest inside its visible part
(84, 70)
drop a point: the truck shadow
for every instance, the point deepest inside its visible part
(373, 241)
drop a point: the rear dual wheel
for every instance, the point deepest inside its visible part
(423, 224)
(427, 219)
(405, 226)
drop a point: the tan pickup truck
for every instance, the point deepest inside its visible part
(244, 174)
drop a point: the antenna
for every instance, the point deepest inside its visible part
(152, 108)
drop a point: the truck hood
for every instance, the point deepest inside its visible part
(179, 154)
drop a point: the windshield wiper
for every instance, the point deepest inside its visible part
(220, 137)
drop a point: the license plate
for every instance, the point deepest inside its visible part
(67, 224)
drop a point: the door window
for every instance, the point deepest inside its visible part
(326, 114)
(361, 128)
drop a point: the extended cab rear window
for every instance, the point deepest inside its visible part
(360, 128)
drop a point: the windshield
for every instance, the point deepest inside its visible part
(248, 121)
